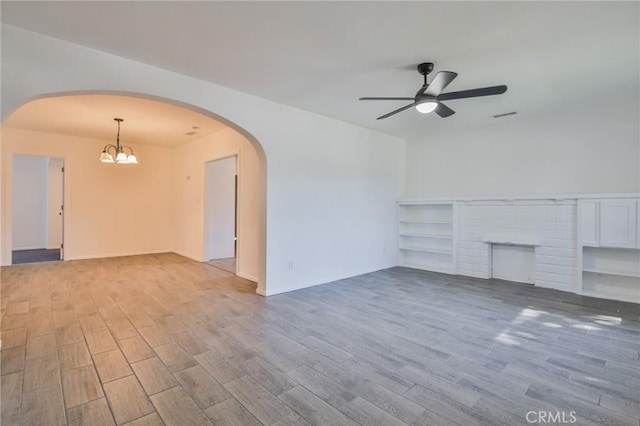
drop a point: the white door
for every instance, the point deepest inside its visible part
(220, 209)
(618, 223)
(55, 209)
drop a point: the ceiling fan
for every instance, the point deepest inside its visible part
(429, 97)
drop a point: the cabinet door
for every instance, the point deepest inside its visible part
(618, 223)
(589, 222)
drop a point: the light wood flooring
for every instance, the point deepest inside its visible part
(227, 264)
(162, 339)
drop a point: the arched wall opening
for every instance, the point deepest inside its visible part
(156, 206)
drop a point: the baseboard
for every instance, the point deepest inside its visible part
(556, 286)
(123, 254)
(471, 274)
(196, 259)
(324, 281)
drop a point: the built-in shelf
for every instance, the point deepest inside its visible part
(426, 236)
(613, 292)
(630, 274)
(427, 250)
(430, 268)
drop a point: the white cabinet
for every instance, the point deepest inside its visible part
(618, 223)
(609, 240)
(589, 222)
(608, 222)
(426, 236)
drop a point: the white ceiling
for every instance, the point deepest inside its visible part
(146, 121)
(323, 56)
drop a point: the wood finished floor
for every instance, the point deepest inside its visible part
(161, 339)
(227, 264)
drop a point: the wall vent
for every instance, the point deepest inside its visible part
(505, 114)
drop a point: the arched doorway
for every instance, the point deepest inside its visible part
(162, 196)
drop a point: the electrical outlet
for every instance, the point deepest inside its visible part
(290, 265)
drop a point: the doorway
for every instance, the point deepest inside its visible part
(221, 213)
(37, 209)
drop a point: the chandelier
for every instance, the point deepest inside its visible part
(116, 153)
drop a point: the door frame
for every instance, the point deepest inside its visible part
(7, 204)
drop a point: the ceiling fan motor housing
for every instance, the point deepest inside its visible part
(425, 68)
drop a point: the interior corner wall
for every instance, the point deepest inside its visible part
(110, 210)
(330, 186)
(29, 207)
(189, 186)
(332, 202)
(588, 150)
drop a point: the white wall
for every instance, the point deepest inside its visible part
(30, 202)
(591, 150)
(110, 210)
(55, 201)
(220, 208)
(331, 186)
(332, 203)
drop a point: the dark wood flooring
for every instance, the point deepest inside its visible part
(35, 255)
(162, 339)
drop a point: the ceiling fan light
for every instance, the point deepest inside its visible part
(426, 106)
(105, 157)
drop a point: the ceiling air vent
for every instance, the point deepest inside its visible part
(505, 114)
(192, 131)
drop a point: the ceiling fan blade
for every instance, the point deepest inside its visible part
(396, 111)
(444, 111)
(385, 99)
(485, 91)
(440, 81)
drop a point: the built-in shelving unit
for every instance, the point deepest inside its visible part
(594, 253)
(426, 235)
(610, 249)
(613, 273)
